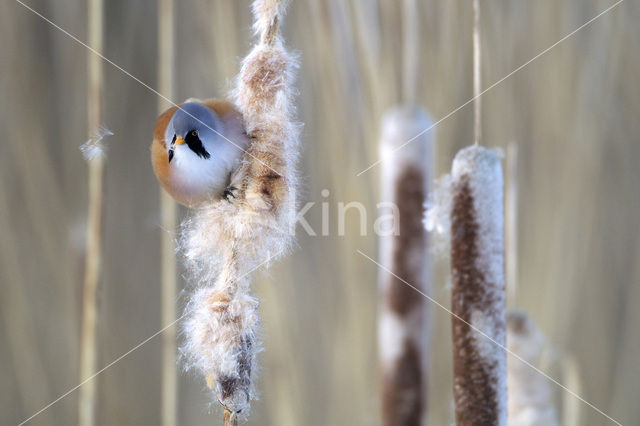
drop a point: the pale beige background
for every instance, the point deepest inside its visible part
(574, 113)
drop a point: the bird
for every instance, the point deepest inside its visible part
(196, 146)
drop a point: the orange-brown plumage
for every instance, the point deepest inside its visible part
(231, 140)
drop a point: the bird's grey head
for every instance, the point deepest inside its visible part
(195, 126)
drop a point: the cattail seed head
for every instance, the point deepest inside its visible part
(225, 241)
(478, 298)
(221, 344)
(403, 325)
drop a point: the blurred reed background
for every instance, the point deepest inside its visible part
(573, 113)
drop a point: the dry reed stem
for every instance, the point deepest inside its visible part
(477, 269)
(168, 210)
(531, 395)
(571, 407)
(403, 324)
(411, 37)
(225, 241)
(477, 75)
(93, 263)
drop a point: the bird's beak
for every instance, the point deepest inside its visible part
(179, 141)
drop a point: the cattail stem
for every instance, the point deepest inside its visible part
(571, 406)
(403, 323)
(93, 262)
(229, 419)
(477, 75)
(478, 293)
(411, 47)
(168, 209)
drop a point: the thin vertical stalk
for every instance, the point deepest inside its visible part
(403, 324)
(477, 75)
(571, 407)
(229, 419)
(411, 37)
(93, 262)
(168, 209)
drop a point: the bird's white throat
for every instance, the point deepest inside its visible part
(195, 176)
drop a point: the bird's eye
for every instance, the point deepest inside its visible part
(194, 133)
(173, 140)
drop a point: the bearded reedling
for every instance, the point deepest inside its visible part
(195, 148)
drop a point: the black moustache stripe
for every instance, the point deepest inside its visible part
(195, 144)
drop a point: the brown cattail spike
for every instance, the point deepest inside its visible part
(478, 294)
(403, 325)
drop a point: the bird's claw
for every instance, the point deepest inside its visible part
(228, 192)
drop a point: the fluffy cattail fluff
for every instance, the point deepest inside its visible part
(437, 215)
(225, 241)
(403, 323)
(221, 342)
(95, 147)
(478, 293)
(531, 395)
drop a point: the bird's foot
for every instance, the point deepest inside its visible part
(228, 193)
